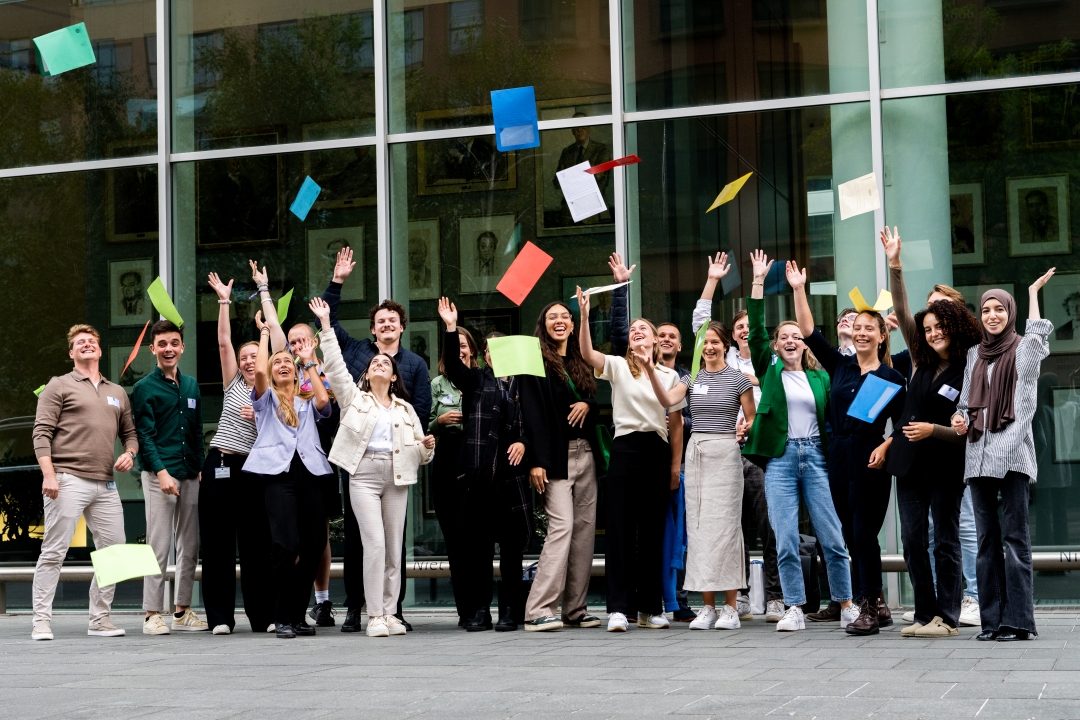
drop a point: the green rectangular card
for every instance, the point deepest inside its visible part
(65, 49)
(123, 562)
(516, 355)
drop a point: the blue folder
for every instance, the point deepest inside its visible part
(872, 398)
(309, 193)
(514, 111)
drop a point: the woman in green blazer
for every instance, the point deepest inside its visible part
(788, 439)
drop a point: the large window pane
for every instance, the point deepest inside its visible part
(252, 73)
(104, 110)
(447, 56)
(935, 41)
(681, 53)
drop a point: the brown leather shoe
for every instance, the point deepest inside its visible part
(867, 622)
(884, 615)
(830, 614)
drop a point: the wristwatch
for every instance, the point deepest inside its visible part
(133, 457)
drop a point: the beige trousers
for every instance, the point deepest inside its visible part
(379, 506)
(100, 505)
(566, 560)
(170, 518)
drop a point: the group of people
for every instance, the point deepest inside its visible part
(694, 461)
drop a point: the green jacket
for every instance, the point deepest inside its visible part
(768, 435)
(168, 421)
(444, 398)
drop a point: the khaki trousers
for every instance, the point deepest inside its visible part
(100, 505)
(379, 506)
(566, 560)
(167, 518)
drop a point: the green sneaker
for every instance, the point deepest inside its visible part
(541, 624)
(585, 620)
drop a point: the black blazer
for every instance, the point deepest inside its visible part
(925, 403)
(546, 426)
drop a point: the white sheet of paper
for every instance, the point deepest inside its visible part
(605, 288)
(916, 255)
(858, 196)
(582, 194)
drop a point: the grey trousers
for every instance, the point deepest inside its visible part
(168, 519)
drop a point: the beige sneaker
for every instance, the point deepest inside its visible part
(936, 628)
(105, 628)
(376, 627)
(394, 626)
(189, 622)
(155, 625)
(42, 630)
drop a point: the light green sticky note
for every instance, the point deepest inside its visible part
(37, 393)
(163, 303)
(65, 49)
(699, 345)
(123, 562)
(283, 306)
(516, 355)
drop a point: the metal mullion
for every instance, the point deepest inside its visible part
(164, 144)
(82, 166)
(451, 133)
(280, 149)
(747, 107)
(382, 168)
(876, 152)
(618, 126)
(973, 86)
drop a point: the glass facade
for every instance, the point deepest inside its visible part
(965, 109)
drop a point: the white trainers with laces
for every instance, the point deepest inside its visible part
(909, 616)
(616, 622)
(653, 622)
(793, 620)
(42, 630)
(376, 627)
(774, 611)
(849, 615)
(394, 626)
(155, 625)
(969, 612)
(189, 622)
(705, 619)
(727, 619)
(104, 628)
(222, 630)
(742, 605)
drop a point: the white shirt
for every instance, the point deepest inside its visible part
(382, 439)
(801, 405)
(745, 366)
(634, 406)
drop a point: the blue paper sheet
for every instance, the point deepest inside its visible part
(873, 396)
(776, 280)
(514, 110)
(309, 193)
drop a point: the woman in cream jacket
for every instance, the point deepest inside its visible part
(381, 443)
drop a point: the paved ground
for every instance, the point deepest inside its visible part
(441, 671)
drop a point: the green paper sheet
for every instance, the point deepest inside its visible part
(699, 345)
(516, 355)
(283, 306)
(123, 562)
(65, 49)
(163, 303)
(37, 393)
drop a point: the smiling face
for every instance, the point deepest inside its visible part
(85, 347)
(642, 338)
(559, 323)
(844, 326)
(381, 367)
(464, 351)
(789, 345)
(935, 335)
(866, 334)
(167, 349)
(995, 318)
(245, 361)
(283, 370)
(714, 349)
(297, 334)
(741, 332)
(670, 340)
(387, 329)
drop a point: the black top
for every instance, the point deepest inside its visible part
(847, 379)
(926, 403)
(545, 404)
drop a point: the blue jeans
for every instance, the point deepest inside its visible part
(969, 546)
(801, 471)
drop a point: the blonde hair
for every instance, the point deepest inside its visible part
(240, 349)
(80, 329)
(286, 411)
(632, 361)
(949, 292)
(809, 362)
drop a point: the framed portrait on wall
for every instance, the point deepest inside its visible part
(141, 366)
(238, 199)
(422, 337)
(973, 295)
(424, 260)
(347, 175)
(1061, 306)
(131, 195)
(323, 245)
(129, 306)
(1066, 424)
(1052, 116)
(482, 322)
(599, 307)
(1038, 215)
(469, 164)
(966, 221)
(482, 250)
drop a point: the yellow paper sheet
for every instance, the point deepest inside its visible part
(516, 355)
(123, 562)
(884, 301)
(729, 192)
(163, 303)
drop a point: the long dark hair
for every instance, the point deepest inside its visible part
(397, 387)
(576, 367)
(472, 346)
(883, 349)
(958, 324)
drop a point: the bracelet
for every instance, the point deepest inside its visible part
(264, 331)
(896, 267)
(308, 366)
(263, 287)
(758, 283)
(224, 302)
(268, 299)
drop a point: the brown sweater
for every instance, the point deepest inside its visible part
(77, 425)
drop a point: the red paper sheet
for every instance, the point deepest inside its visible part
(604, 167)
(131, 357)
(523, 273)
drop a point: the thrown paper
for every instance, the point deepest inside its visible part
(516, 355)
(858, 196)
(612, 164)
(134, 351)
(602, 288)
(699, 345)
(582, 194)
(163, 303)
(283, 305)
(884, 301)
(514, 112)
(729, 192)
(123, 562)
(872, 398)
(523, 273)
(309, 193)
(65, 49)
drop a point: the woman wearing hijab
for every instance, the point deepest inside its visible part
(995, 412)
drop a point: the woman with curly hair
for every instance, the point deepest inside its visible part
(927, 456)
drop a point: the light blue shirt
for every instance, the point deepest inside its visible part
(277, 442)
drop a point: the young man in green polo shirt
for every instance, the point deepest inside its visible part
(168, 419)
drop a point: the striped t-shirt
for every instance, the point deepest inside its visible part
(234, 433)
(714, 399)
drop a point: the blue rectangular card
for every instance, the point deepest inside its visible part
(776, 280)
(514, 111)
(309, 193)
(873, 396)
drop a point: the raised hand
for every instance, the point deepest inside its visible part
(224, 292)
(891, 241)
(719, 267)
(260, 277)
(646, 361)
(320, 309)
(583, 303)
(344, 265)
(259, 323)
(1038, 284)
(618, 268)
(448, 313)
(305, 350)
(796, 278)
(762, 265)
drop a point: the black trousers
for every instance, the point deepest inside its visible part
(449, 498)
(638, 483)
(1005, 575)
(755, 513)
(861, 498)
(297, 538)
(486, 520)
(917, 494)
(232, 520)
(354, 557)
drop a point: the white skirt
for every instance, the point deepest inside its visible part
(715, 558)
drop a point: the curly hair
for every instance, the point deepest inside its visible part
(392, 306)
(957, 323)
(575, 365)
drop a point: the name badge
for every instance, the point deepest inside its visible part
(304, 407)
(115, 402)
(949, 392)
(111, 485)
(773, 359)
(221, 473)
(447, 399)
(191, 403)
(701, 389)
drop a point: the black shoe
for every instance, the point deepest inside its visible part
(1008, 635)
(302, 628)
(481, 622)
(322, 614)
(462, 622)
(988, 635)
(884, 615)
(408, 627)
(506, 621)
(352, 622)
(285, 631)
(684, 615)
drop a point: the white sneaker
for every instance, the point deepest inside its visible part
(42, 631)
(849, 615)
(793, 620)
(727, 619)
(272, 628)
(969, 612)
(394, 626)
(155, 625)
(653, 622)
(774, 611)
(705, 619)
(222, 630)
(189, 622)
(616, 622)
(909, 616)
(104, 628)
(742, 605)
(376, 627)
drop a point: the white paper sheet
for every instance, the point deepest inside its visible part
(605, 288)
(582, 194)
(858, 196)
